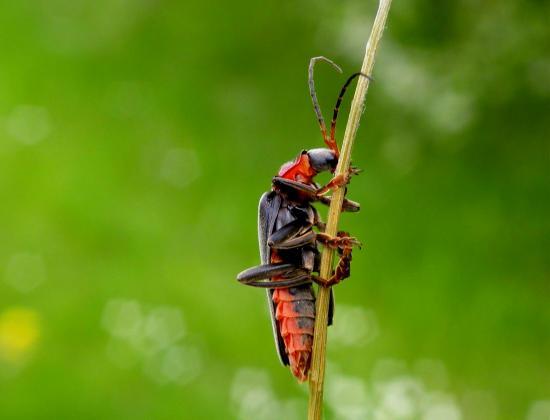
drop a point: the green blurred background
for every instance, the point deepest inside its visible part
(136, 137)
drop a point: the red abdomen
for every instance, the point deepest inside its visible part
(295, 313)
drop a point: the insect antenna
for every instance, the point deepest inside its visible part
(332, 140)
(331, 144)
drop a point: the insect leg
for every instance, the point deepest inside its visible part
(308, 258)
(343, 269)
(318, 280)
(286, 236)
(347, 205)
(317, 222)
(341, 241)
(344, 244)
(331, 307)
(261, 276)
(295, 242)
(290, 187)
(338, 181)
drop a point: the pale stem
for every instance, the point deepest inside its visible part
(317, 370)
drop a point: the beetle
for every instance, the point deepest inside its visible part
(289, 245)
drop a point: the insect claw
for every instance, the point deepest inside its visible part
(341, 242)
(354, 170)
(319, 280)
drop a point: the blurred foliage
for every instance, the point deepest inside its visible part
(135, 139)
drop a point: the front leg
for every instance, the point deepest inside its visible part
(338, 181)
(294, 188)
(310, 193)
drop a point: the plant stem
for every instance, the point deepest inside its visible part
(317, 370)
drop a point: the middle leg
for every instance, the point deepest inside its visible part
(344, 244)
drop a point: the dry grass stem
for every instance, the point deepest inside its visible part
(317, 371)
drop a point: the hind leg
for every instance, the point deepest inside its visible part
(343, 268)
(288, 275)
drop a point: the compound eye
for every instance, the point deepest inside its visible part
(322, 160)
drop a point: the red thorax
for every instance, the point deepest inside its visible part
(300, 170)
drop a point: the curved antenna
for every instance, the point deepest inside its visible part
(332, 144)
(332, 140)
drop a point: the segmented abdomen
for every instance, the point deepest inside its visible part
(295, 313)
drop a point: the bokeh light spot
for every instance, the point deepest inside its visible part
(178, 364)
(539, 410)
(432, 373)
(354, 326)
(25, 272)
(123, 318)
(401, 152)
(28, 124)
(254, 399)
(164, 326)
(400, 396)
(440, 407)
(151, 337)
(19, 333)
(450, 111)
(348, 397)
(480, 405)
(180, 167)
